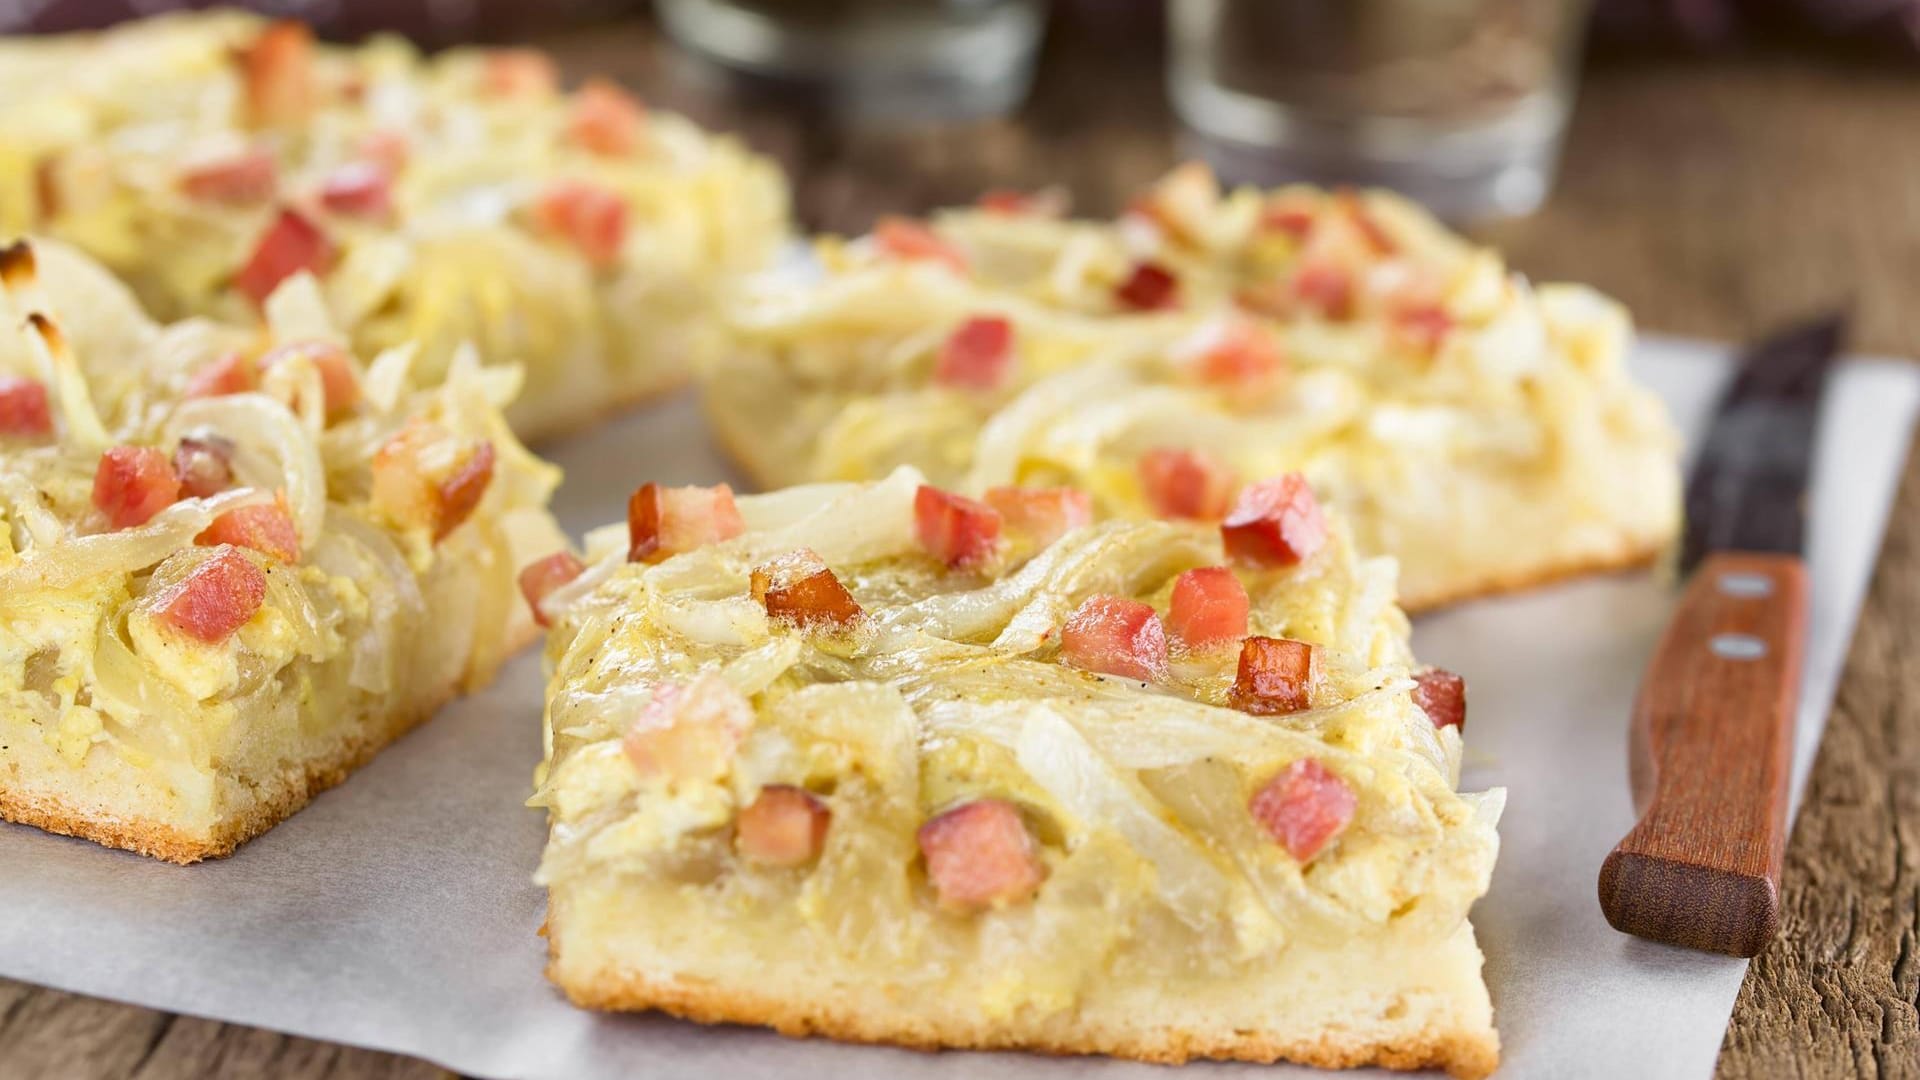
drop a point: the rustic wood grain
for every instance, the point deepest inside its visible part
(1716, 197)
(1711, 752)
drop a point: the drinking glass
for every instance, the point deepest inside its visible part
(1459, 104)
(898, 59)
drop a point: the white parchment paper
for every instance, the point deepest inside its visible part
(396, 912)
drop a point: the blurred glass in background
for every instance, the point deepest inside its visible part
(1460, 104)
(874, 59)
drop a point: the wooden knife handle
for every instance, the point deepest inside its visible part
(1710, 751)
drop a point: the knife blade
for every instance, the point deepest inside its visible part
(1711, 738)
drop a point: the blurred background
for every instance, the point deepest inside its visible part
(1718, 164)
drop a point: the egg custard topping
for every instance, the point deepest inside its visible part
(1483, 431)
(234, 563)
(884, 763)
(461, 199)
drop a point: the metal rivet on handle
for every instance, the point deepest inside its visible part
(1737, 646)
(1746, 586)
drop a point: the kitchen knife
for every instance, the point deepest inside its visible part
(1711, 739)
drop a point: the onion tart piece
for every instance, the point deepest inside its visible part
(1483, 431)
(863, 764)
(234, 563)
(463, 198)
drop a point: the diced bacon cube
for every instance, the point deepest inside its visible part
(1303, 807)
(288, 246)
(268, 530)
(1042, 515)
(461, 490)
(978, 355)
(339, 382)
(361, 189)
(606, 119)
(587, 216)
(1373, 238)
(1422, 327)
(231, 373)
(954, 529)
(215, 598)
(783, 826)
(904, 238)
(386, 148)
(242, 180)
(800, 588)
(1231, 353)
(24, 411)
(132, 484)
(1149, 287)
(1275, 522)
(663, 521)
(1325, 289)
(204, 465)
(277, 70)
(1291, 213)
(519, 73)
(689, 731)
(980, 855)
(1209, 608)
(1442, 695)
(1275, 676)
(417, 483)
(1115, 636)
(539, 579)
(1189, 484)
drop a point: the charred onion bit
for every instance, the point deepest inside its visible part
(268, 530)
(1275, 522)
(289, 245)
(230, 373)
(689, 731)
(215, 598)
(1275, 676)
(132, 484)
(277, 70)
(904, 238)
(241, 180)
(361, 189)
(539, 578)
(978, 355)
(1188, 484)
(339, 383)
(980, 855)
(783, 826)
(1442, 695)
(591, 218)
(606, 119)
(24, 411)
(1303, 807)
(1209, 608)
(1150, 287)
(663, 521)
(1043, 515)
(1116, 636)
(204, 465)
(954, 529)
(798, 587)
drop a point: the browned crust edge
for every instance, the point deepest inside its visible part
(1466, 1054)
(642, 396)
(296, 786)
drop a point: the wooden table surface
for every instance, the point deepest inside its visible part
(1714, 197)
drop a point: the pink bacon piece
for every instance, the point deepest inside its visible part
(954, 529)
(978, 355)
(268, 530)
(1043, 515)
(1187, 484)
(215, 599)
(904, 238)
(1209, 608)
(663, 521)
(1442, 695)
(1115, 636)
(242, 180)
(980, 855)
(783, 826)
(541, 577)
(606, 120)
(689, 731)
(591, 218)
(1148, 287)
(132, 484)
(24, 409)
(1275, 522)
(1303, 807)
(288, 246)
